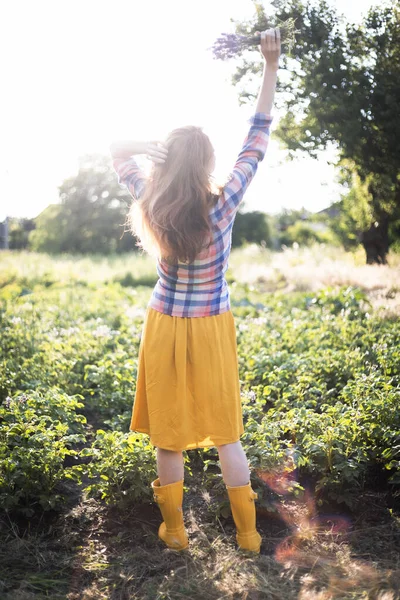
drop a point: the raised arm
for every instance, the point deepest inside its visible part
(154, 150)
(271, 49)
(129, 173)
(256, 142)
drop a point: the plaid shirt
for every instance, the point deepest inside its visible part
(199, 289)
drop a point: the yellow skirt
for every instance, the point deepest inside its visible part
(187, 390)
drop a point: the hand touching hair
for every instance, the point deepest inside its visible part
(156, 152)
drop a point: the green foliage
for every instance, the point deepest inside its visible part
(128, 280)
(18, 233)
(313, 367)
(358, 202)
(121, 467)
(37, 434)
(304, 234)
(344, 227)
(111, 382)
(348, 301)
(301, 227)
(288, 217)
(252, 227)
(47, 338)
(394, 236)
(320, 382)
(51, 231)
(91, 215)
(358, 219)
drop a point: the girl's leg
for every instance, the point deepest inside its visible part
(234, 465)
(170, 466)
(236, 474)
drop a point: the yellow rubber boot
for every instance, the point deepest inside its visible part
(243, 509)
(169, 499)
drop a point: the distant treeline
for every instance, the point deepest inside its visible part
(92, 214)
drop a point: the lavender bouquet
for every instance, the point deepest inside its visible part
(230, 44)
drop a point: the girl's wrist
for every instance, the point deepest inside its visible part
(271, 66)
(144, 147)
(139, 147)
(128, 148)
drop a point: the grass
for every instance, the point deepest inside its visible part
(96, 553)
(35, 267)
(294, 269)
(93, 551)
(318, 267)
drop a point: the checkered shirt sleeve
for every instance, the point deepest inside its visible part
(130, 175)
(252, 152)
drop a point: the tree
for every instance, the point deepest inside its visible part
(341, 86)
(344, 226)
(251, 227)
(19, 231)
(288, 217)
(91, 215)
(51, 231)
(300, 226)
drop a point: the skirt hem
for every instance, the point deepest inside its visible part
(190, 446)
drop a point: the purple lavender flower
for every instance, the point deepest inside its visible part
(229, 44)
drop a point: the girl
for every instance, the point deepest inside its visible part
(187, 392)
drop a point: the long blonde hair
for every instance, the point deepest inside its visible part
(171, 219)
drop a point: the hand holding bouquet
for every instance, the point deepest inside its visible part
(230, 44)
(271, 46)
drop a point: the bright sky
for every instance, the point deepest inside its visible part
(78, 75)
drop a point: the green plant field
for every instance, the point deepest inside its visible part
(320, 379)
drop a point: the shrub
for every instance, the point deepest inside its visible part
(111, 382)
(122, 466)
(37, 433)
